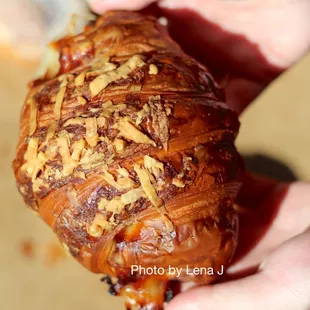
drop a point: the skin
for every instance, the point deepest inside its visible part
(271, 269)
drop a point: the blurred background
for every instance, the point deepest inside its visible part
(35, 272)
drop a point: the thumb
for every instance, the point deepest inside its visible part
(283, 283)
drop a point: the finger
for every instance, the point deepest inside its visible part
(222, 51)
(277, 212)
(271, 213)
(101, 6)
(283, 283)
(248, 75)
(254, 292)
(251, 47)
(280, 29)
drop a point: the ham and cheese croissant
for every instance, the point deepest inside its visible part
(126, 150)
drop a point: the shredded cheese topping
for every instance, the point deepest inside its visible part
(178, 182)
(103, 69)
(37, 184)
(51, 131)
(99, 224)
(79, 80)
(91, 131)
(68, 163)
(77, 148)
(135, 88)
(140, 115)
(59, 98)
(103, 203)
(130, 132)
(79, 174)
(153, 70)
(51, 150)
(122, 72)
(75, 121)
(101, 121)
(123, 172)
(132, 196)
(33, 117)
(108, 177)
(153, 165)
(147, 186)
(119, 145)
(81, 100)
(115, 205)
(110, 108)
(34, 162)
(90, 160)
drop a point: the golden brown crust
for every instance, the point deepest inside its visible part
(128, 152)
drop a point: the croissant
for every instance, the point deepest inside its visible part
(126, 150)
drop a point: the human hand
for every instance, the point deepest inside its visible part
(271, 269)
(252, 41)
(245, 44)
